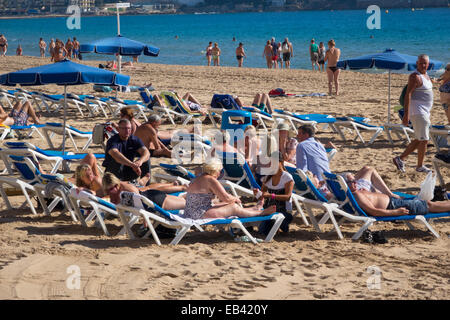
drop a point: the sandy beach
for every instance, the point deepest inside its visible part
(36, 251)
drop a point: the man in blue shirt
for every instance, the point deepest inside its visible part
(311, 154)
(120, 152)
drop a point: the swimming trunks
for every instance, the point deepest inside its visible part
(215, 57)
(274, 58)
(286, 56)
(239, 57)
(415, 206)
(445, 106)
(20, 117)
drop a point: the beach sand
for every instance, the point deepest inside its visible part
(36, 251)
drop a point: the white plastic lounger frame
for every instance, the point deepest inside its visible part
(356, 125)
(50, 130)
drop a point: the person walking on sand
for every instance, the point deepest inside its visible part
(331, 58)
(267, 53)
(215, 51)
(314, 55)
(209, 53)
(418, 104)
(42, 47)
(3, 45)
(288, 53)
(240, 54)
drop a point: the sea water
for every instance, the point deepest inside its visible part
(184, 38)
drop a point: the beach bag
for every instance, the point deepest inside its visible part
(440, 194)
(402, 96)
(427, 187)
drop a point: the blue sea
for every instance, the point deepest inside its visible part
(183, 38)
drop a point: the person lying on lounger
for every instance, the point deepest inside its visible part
(189, 101)
(367, 178)
(20, 115)
(158, 192)
(206, 187)
(381, 205)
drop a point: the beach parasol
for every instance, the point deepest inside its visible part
(64, 73)
(119, 45)
(389, 59)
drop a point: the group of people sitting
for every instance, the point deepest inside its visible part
(127, 168)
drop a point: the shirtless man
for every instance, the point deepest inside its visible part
(332, 56)
(381, 205)
(240, 54)
(148, 133)
(69, 48)
(42, 47)
(76, 48)
(51, 49)
(215, 51)
(3, 44)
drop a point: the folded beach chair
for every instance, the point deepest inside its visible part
(88, 207)
(344, 197)
(33, 182)
(51, 128)
(176, 108)
(56, 158)
(353, 123)
(153, 215)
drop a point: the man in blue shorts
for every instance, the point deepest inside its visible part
(381, 205)
(121, 151)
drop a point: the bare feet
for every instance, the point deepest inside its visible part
(269, 210)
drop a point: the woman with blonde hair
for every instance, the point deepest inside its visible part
(157, 193)
(206, 187)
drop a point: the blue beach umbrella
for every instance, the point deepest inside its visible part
(64, 73)
(121, 46)
(390, 59)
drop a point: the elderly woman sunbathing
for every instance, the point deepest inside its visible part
(206, 187)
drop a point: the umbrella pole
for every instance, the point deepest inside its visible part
(64, 121)
(389, 98)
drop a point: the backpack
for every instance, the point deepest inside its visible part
(402, 96)
(102, 131)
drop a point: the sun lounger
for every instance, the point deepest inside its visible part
(154, 215)
(357, 125)
(51, 128)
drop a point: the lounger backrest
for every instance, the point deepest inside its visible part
(27, 169)
(303, 183)
(237, 168)
(177, 171)
(224, 101)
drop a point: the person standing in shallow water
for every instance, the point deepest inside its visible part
(215, 51)
(240, 54)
